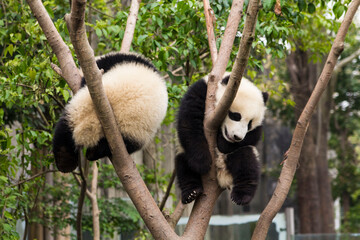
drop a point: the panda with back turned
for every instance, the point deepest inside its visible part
(138, 97)
(238, 166)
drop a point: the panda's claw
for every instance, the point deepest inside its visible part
(191, 195)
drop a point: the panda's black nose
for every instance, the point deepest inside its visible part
(237, 138)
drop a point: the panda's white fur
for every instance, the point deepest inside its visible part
(249, 102)
(224, 178)
(138, 97)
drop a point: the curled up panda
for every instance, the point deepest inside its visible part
(138, 96)
(238, 166)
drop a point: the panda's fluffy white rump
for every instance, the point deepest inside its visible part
(138, 97)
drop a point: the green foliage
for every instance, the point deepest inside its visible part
(173, 35)
(29, 97)
(116, 215)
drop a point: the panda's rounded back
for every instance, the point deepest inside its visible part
(138, 96)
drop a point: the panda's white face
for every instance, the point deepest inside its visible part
(246, 112)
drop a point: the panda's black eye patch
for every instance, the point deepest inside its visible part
(249, 125)
(235, 116)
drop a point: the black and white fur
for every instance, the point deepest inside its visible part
(138, 96)
(238, 166)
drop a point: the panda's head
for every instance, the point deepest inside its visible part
(246, 112)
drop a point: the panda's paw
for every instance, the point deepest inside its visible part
(241, 200)
(242, 196)
(189, 196)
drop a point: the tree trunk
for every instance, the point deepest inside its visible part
(324, 181)
(302, 79)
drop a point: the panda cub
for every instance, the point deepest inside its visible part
(238, 167)
(138, 96)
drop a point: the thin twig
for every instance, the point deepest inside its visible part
(32, 177)
(168, 189)
(81, 199)
(97, 10)
(57, 101)
(42, 116)
(56, 69)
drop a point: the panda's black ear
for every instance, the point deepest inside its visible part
(225, 80)
(265, 96)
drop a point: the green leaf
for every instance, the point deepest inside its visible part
(311, 8)
(302, 5)
(3, 179)
(65, 94)
(10, 49)
(8, 215)
(338, 9)
(141, 38)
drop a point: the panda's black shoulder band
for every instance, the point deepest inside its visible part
(110, 60)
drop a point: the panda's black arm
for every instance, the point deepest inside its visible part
(251, 138)
(191, 129)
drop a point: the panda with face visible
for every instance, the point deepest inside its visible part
(138, 97)
(238, 166)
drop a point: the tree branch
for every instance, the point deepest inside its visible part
(130, 26)
(83, 189)
(340, 64)
(68, 67)
(289, 168)
(227, 42)
(95, 208)
(210, 21)
(168, 189)
(174, 218)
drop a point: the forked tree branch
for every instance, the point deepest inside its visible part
(238, 67)
(289, 168)
(130, 26)
(203, 206)
(69, 71)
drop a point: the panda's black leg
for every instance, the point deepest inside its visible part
(198, 155)
(189, 181)
(103, 150)
(65, 153)
(99, 151)
(244, 166)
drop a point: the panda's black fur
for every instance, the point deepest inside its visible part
(238, 167)
(138, 96)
